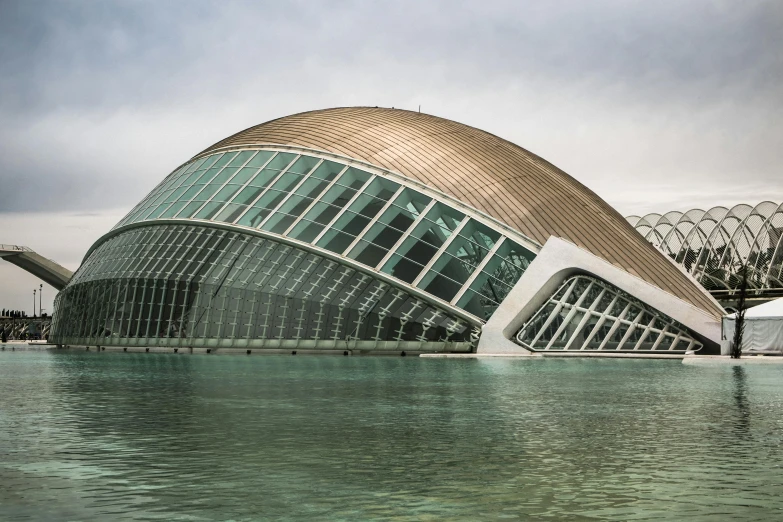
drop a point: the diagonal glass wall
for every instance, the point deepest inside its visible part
(588, 314)
(376, 221)
(193, 285)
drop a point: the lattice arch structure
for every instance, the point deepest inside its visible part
(713, 245)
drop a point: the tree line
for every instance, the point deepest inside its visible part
(14, 314)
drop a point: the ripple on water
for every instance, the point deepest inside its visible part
(152, 436)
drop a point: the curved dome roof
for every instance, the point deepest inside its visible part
(482, 170)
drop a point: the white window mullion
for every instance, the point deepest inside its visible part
(359, 192)
(199, 192)
(631, 328)
(675, 341)
(660, 338)
(614, 326)
(266, 189)
(315, 201)
(374, 220)
(407, 233)
(441, 250)
(478, 270)
(604, 317)
(223, 185)
(290, 193)
(251, 178)
(645, 334)
(571, 313)
(586, 317)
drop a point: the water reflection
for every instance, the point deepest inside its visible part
(91, 436)
(741, 399)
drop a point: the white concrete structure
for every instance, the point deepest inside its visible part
(556, 262)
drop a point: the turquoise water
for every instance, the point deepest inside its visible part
(99, 436)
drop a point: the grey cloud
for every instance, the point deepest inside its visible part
(100, 100)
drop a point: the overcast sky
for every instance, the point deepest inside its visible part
(656, 106)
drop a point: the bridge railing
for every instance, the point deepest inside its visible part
(17, 248)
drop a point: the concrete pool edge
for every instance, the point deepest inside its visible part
(696, 360)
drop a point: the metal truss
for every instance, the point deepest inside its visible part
(713, 245)
(587, 314)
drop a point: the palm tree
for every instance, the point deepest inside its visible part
(739, 323)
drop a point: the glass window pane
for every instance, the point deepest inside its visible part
(295, 205)
(344, 231)
(244, 174)
(509, 262)
(253, 217)
(323, 213)
(306, 231)
(367, 253)
(159, 210)
(328, 170)
(224, 175)
(173, 209)
(191, 178)
(190, 209)
(260, 159)
(241, 158)
(402, 268)
(209, 210)
(226, 193)
(280, 161)
(278, 223)
(263, 178)
(206, 176)
(353, 178)
(286, 182)
(209, 161)
(228, 156)
(270, 199)
(477, 304)
(446, 267)
(439, 285)
(207, 193)
(480, 235)
(247, 195)
(231, 213)
(195, 165)
(312, 187)
(174, 195)
(411, 201)
(191, 192)
(304, 165)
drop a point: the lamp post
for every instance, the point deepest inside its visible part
(33, 303)
(40, 308)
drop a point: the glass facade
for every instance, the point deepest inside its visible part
(196, 285)
(587, 314)
(400, 231)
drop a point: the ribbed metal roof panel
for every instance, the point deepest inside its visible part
(489, 173)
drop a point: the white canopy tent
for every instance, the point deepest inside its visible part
(763, 328)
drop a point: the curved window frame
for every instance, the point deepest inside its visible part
(393, 226)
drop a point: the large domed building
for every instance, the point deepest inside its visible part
(375, 230)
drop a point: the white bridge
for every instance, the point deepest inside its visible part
(41, 267)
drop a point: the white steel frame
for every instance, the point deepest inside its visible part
(672, 337)
(713, 245)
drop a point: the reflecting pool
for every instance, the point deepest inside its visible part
(97, 436)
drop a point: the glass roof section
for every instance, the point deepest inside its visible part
(356, 214)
